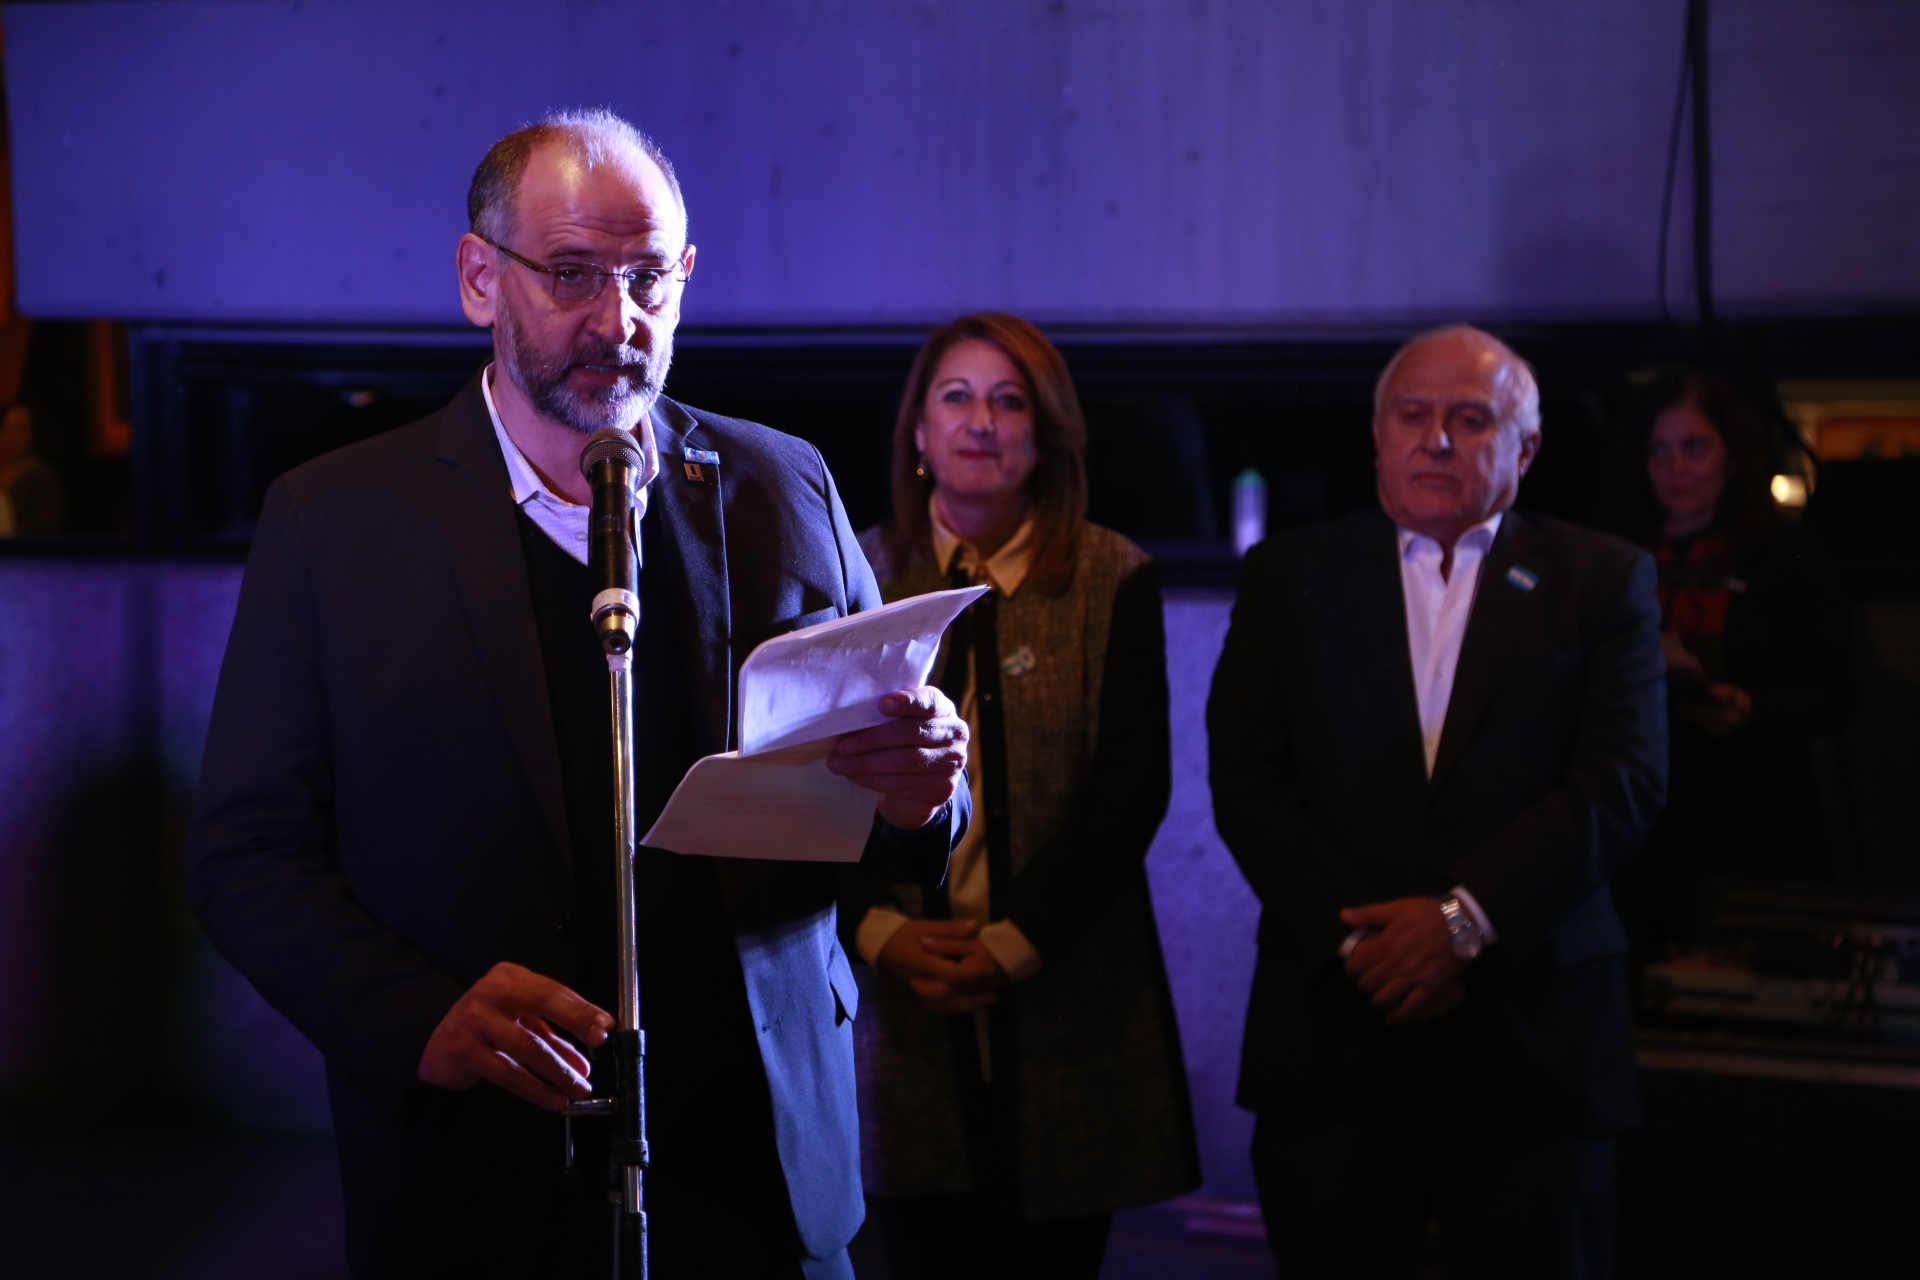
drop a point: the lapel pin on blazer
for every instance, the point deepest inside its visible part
(701, 466)
(1525, 579)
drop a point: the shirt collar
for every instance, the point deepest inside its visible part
(1006, 568)
(527, 484)
(1476, 539)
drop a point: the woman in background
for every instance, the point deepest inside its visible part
(1021, 1075)
(1758, 660)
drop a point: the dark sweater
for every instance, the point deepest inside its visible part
(710, 1148)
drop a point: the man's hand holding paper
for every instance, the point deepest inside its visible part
(829, 715)
(915, 761)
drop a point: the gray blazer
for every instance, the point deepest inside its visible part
(1101, 1106)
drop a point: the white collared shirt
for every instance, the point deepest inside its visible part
(561, 519)
(1437, 612)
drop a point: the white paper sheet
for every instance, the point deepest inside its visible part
(775, 797)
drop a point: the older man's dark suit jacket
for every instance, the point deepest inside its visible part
(1551, 766)
(382, 814)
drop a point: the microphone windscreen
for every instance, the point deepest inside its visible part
(610, 444)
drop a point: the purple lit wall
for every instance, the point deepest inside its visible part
(106, 682)
(1205, 910)
(1084, 160)
(109, 669)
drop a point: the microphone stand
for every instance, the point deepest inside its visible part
(618, 469)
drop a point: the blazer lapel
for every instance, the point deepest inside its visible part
(1502, 608)
(473, 500)
(695, 528)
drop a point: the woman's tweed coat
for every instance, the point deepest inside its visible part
(1100, 1092)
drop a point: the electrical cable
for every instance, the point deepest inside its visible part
(1673, 165)
(1692, 89)
(1701, 63)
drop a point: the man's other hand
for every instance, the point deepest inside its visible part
(1406, 966)
(503, 1030)
(946, 964)
(915, 763)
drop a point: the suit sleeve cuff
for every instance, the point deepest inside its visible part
(877, 928)
(1010, 949)
(1472, 907)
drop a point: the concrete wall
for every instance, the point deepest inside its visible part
(855, 161)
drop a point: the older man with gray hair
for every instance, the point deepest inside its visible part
(1437, 729)
(405, 830)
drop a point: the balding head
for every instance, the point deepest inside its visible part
(1518, 395)
(1456, 424)
(578, 200)
(594, 137)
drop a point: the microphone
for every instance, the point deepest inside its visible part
(615, 465)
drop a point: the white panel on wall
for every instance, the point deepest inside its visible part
(856, 161)
(1817, 165)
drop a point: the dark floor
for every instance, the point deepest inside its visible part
(1155, 1244)
(1147, 1244)
(170, 1203)
(182, 1202)
(1747, 1178)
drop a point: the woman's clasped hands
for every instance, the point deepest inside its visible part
(945, 962)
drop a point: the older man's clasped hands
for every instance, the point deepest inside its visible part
(1403, 959)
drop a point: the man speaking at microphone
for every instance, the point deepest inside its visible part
(404, 836)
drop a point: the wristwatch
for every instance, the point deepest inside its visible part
(1463, 933)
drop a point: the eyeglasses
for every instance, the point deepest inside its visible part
(649, 287)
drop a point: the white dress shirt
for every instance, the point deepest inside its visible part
(1438, 607)
(565, 521)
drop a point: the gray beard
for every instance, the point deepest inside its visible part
(544, 383)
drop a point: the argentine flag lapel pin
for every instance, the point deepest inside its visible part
(700, 466)
(1525, 579)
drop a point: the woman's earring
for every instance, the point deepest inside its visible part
(921, 470)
